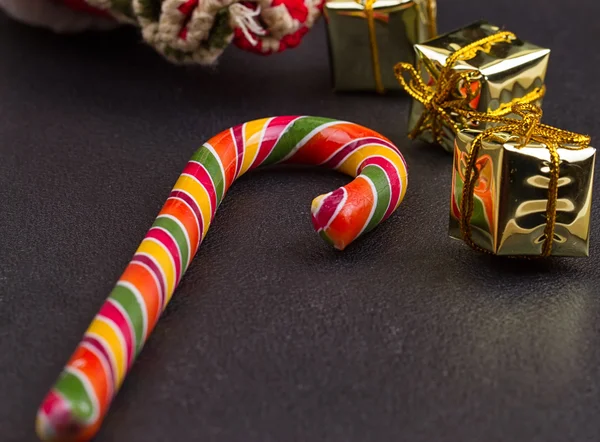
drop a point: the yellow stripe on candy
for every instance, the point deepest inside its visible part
(354, 160)
(200, 195)
(163, 258)
(252, 139)
(404, 181)
(101, 328)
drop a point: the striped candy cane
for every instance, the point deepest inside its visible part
(75, 406)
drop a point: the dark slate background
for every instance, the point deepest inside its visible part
(273, 336)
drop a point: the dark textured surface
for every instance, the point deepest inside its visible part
(273, 336)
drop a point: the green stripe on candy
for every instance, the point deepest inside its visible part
(211, 163)
(180, 237)
(73, 390)
(323, 235)
(292, 136)
(129, 302)
(382, 186)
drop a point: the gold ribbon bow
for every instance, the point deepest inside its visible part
(453, 90)
(371, 16)
(529, 128)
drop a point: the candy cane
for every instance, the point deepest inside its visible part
(76, 405)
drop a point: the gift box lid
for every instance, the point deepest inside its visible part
(500, 58)
(514, 143)
(378, 4)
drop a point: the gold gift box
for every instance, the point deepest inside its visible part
(511, 194)
(507, 71)
(366, 40)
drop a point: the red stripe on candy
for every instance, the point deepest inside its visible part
(201, 174)
(328, 209)
(109, 311)
(157, 273)
(165, 239)
(238, 138)
(224, 148)
(395, 180)
(176, 194)
(93, 342)
(352, 147)
(273, 132)
(53, 402)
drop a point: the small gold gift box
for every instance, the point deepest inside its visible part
(523, 189)
(477, 68)
(366, 38)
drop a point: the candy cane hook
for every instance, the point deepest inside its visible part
(76, 405)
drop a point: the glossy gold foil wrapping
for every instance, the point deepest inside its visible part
(398, 25)
(511, 195)
(507, 71)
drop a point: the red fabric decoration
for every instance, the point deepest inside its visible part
(267, 44)
(262, 26)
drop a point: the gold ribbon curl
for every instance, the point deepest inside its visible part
(442, 100)
(529, 128)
